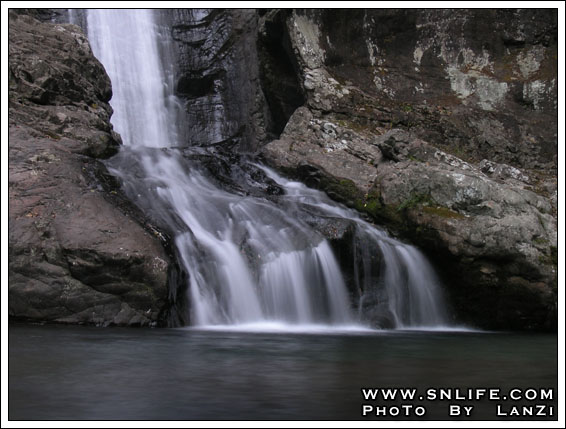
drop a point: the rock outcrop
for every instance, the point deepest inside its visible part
(441, 126)
(218, 77)
(75, 256)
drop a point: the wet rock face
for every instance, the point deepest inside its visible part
(431, 127)
(218, 76)
(74, 256)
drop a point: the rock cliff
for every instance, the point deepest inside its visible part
(216, 64)
(440, 125)
(77, 252)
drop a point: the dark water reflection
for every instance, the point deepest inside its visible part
(80, 373)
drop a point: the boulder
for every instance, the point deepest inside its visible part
(74, 255)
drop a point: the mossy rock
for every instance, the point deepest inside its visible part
(443, 212)
(414, 200)
(342, 190)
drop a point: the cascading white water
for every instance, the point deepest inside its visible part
(248, 259)
(295, 278)
(125, 43)
(411, 290)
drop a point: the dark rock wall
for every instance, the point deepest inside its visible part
(218, 76)
(77, 254)
(279, 71)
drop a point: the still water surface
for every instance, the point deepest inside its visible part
(87, 373)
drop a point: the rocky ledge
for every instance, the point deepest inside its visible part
(439, 138)
(75, 256)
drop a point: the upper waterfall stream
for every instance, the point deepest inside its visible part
(251, 250)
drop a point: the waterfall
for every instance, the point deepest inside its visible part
(125, 42)
(248, 259)
(409, 293)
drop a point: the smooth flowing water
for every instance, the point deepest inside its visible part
(409, 290)
(248, 260)
(126, 43)
(62, 372)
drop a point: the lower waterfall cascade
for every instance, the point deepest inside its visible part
(251, 257)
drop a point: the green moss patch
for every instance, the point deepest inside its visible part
(414, 200)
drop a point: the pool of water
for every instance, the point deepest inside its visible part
(88, 373)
